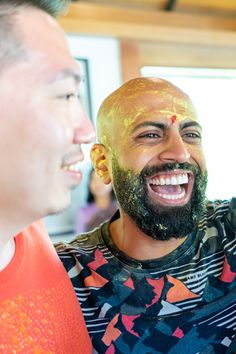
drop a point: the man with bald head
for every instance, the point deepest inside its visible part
(159, 277)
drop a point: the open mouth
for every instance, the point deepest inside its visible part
(172, 188)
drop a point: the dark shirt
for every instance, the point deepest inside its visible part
(184, 302)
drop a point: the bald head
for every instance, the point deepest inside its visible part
(138, 97)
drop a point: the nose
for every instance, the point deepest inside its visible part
(84, 132)
(174, 150)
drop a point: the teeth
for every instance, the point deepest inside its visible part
(173, 180)
(172, 196)
(162, 181)
(73, 168)
(168, 181)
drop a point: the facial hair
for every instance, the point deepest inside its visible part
(155, 220)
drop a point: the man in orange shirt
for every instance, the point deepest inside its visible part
(42, 128)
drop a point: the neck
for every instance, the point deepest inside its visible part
(133, 242)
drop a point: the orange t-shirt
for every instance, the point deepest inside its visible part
(39, 311)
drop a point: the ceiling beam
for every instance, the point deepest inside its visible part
(170, 5)
(210, 4)
(161, 4)
(163, 26)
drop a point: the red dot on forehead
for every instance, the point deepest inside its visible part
(173, 119)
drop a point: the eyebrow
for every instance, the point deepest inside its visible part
(163, 126)
(189, 124)
(67, 74)
(150, 123)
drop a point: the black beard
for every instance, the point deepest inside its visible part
(157, 221)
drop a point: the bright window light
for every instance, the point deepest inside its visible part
(213, 92)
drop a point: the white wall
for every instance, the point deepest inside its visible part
(104, 64)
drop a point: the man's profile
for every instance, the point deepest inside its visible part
(159, 277)
(42, 128)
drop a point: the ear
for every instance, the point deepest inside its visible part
(99, 157)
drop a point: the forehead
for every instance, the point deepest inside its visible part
(156, 104)
(46, 47)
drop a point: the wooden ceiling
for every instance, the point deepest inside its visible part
(203, 22)
(206, 7)
(161, 32)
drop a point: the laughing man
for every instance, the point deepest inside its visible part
(159, 277)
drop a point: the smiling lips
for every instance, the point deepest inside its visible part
(73, 171)
(172, 188)
(72, 168)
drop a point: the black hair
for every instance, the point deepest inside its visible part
(52, 7)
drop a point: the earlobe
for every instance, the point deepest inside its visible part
(99, 158)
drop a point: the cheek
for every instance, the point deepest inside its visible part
(137, 158)
(198, 156)
(50, 131)
(203, 162)
(54, 121)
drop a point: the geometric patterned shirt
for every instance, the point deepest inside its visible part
(184, 302)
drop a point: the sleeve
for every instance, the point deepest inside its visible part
(230, 218)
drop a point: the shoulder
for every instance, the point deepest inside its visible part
(230, 217)
(80, 252)
(80, 242)
(217, 209)
(222, 214)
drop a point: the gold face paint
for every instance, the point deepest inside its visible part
(128, 122)
(178, 117)
(138, 99)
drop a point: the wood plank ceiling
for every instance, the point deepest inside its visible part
(162, 32)
(209, 22)
(206, 7)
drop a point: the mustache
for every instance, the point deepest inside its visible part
(152, 170)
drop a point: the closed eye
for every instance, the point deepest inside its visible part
(70, 95)
(149, 136)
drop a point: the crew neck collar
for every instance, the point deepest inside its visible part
(167, 260)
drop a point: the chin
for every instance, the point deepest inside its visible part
(59, 205)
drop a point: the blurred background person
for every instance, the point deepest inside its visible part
(100, 205)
